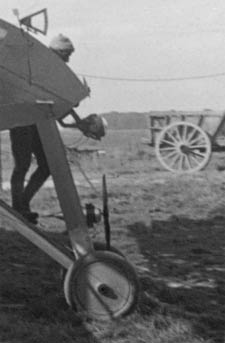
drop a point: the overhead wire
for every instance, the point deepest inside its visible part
(156, 79)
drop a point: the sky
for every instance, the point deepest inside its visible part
(124, 47)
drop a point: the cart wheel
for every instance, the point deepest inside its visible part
(183, 147)
(102, 285)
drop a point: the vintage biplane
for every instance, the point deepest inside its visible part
(37, 87)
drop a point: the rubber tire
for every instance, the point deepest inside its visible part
(103, 269)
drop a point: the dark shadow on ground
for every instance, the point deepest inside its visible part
(186, 260)
(32, 303)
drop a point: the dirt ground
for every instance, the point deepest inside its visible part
(170, 227)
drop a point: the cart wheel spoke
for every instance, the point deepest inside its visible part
(195, 160)
(197, 140)
(185, 132)
(165, 141)
(172, 156)
(172, 160)
(181, 133)
(192, 147)
(191, 134)
(173, 138)
(178, 133)
(188, 162)
(181, 163)
(198, 154)
(198, 146)
(167, 149)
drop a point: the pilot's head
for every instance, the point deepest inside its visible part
(62, 46)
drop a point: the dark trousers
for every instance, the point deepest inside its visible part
(25, 142)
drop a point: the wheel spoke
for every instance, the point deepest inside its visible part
(199, 146)
(191, 134)
(167, 149)
(188, 161)
(172, 137)
(198, 140)
(180, 163)
(168, 156)
(171, 158)
(168, 142)
(178, 134)
(195, 160)
(185, 132)
(197, 154)
(174, 161)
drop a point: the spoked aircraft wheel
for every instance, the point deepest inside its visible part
(183, 147)
(102, 285)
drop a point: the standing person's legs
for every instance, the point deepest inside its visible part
(40, 175)
(21, 150)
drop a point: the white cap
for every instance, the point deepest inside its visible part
(61, 42)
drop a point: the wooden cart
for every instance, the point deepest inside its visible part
(185, 141)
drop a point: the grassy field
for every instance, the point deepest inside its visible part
(170, 227)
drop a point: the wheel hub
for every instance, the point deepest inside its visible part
(107, 291)
(184, 149)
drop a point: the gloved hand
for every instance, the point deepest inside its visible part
(93, 126)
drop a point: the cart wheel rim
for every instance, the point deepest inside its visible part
(102, 286)
(183, 147)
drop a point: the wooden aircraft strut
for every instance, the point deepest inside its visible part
(14, 221)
